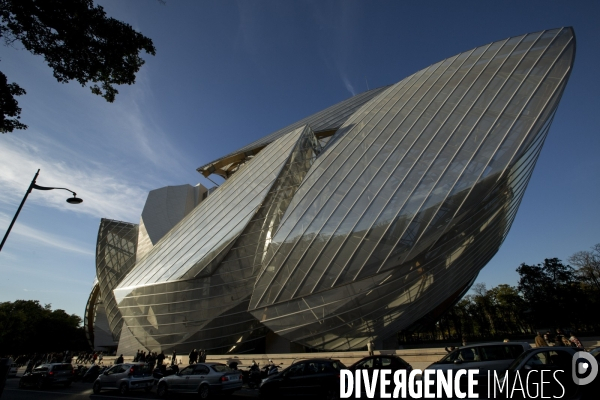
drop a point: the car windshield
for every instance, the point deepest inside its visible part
(464, 354)
(221, 368)
(63, 367)
(338, 365)
(518, 360)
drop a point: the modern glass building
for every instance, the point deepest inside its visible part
(369, 217)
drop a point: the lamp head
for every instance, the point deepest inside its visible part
(74, 199)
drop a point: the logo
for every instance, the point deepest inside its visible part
(585, 368)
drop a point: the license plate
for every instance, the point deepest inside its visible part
(234, 378)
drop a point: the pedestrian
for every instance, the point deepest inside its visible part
(119, 359)
(558, 339)
(575, 342)
(370, 347)
(174, 358)
(547, 338)
(202, 356)
(540, 341)
(193, 356)
(100, 357)
(160, 358)
(464, 341)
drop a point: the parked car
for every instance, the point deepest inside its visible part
(486, 357)
(379, 362)
(125, 377)
(559, 360)
(371, 363)
(319, 377)
(206, 379)
(47, 375)
(92, 373)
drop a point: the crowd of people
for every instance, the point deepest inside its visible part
(560, 340)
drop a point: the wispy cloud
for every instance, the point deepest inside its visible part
(106, 193)
(45, 238)
(338, 40)
(348, 85)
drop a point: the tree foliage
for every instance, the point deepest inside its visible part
(548, 295)
(26, 326)
(588, 266)
(77, 40)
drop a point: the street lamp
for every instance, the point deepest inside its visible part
(70, 200)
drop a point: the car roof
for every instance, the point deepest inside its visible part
(493, 344)
(315, 359)
(51, 364)
(553, 348)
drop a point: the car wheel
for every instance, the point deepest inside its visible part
(204, 392)
(162, 390)
(97, 387)
(123, 388)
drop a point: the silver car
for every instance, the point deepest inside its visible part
(206, 379)
(486, 357)
(125, 377)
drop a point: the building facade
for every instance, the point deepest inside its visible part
(372, 216)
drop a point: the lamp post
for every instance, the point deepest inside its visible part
(70, 200)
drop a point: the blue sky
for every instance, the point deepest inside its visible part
(227, 73)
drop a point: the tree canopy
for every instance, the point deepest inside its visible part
(548, 295)
(26, 326)
(77, 40)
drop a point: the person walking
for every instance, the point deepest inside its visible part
(193, 356)
(119, 359)
(558, 339)
(575, 342)
(370, 347)
(174, 358)
(160, 358)
(540, 341)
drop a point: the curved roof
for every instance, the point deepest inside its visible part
(326, 121)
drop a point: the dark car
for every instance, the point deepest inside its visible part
(371, 363)
(379, 362)
(206, 379)
(494, 356)
(319, 377)
(92, 373)
(125, 377)
(559, 381)
(47, 375)
(485, 357)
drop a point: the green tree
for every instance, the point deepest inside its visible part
(77, 40)
(588, 265)
(552, 292)
(26, 326)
